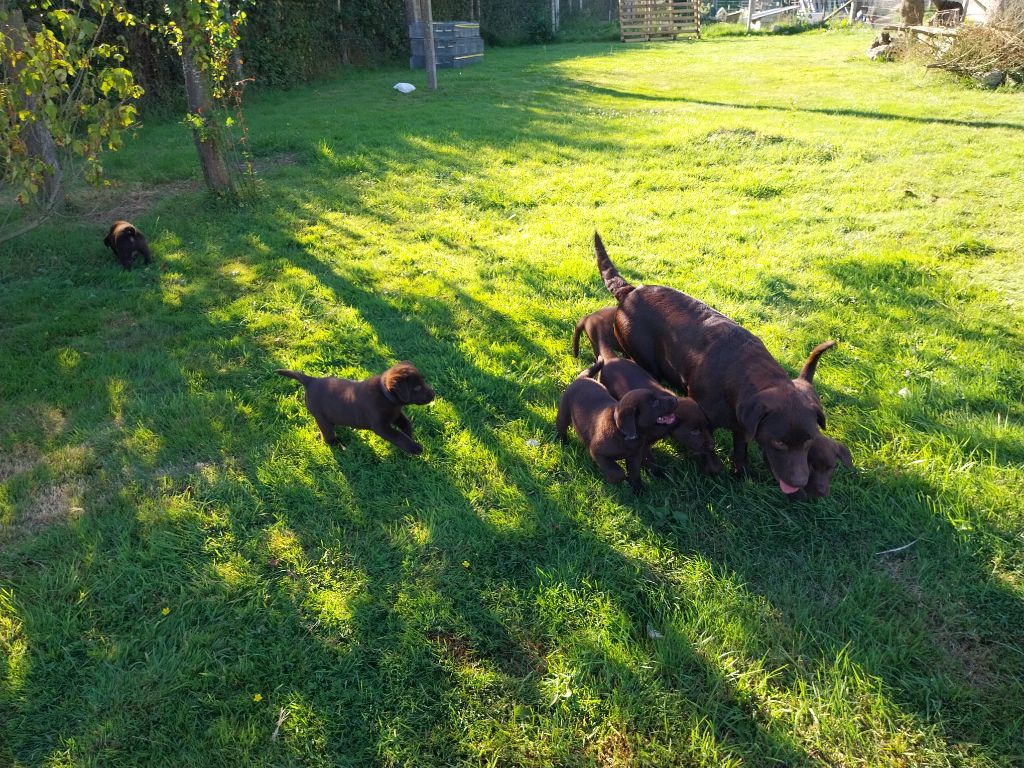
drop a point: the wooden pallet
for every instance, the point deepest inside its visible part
(643, 20)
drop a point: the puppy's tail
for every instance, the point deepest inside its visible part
(576, 337)
(302, 378)
(807, 374)
(612, 279)
(592, 371)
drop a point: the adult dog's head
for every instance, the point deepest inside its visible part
(406, 384)
(640, 410)
(785, 420)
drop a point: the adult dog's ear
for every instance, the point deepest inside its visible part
(749, 413)
(109, 239)
(625, 420)
(807, 374)
(843, 454)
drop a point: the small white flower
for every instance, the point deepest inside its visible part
(533, 442)
(904, 392)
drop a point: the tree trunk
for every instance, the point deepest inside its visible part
(912, 12)
(427, 17)
(208, 146)
(38, 140)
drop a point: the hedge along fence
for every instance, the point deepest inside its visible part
(291, 41)
(282, 42)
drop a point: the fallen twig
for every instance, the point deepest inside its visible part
(897, 549)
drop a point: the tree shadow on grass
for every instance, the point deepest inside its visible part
(837, 112)
(276, 568)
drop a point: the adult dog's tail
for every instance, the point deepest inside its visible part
(615, 283)
(302, 378)
(807, 374)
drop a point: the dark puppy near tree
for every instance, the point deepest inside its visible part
(613, 430)
(375, 403)
(691, 430)
(125, 241)
(725, 368)
(600, 329)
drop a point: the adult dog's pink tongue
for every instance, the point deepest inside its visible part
(787, 488)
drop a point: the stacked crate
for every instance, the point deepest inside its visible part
(456, 44)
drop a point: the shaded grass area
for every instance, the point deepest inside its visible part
(189, 576)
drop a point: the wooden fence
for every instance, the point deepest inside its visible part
(642, 20)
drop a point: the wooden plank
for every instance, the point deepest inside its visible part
(838, 10)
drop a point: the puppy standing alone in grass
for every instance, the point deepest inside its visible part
(125, 241)
(613, 430)
(375, 403)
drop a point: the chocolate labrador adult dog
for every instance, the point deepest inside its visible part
(613, 430)
(725, 368)
(691, 429)
(375, 403)
(600, 329)
(125, 241)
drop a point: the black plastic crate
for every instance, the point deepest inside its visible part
(457, 44)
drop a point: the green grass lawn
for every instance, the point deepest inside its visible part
(189, 576)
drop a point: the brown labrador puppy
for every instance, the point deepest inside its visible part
(613, 430)
(691, 429)
(600, 329)
(125, 241)
(725, 368)
(375, 403)
(823, 457)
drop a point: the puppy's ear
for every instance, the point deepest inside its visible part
(750, 413)
(108, 240)
(625, 420)
(843, 454)
(807, 374)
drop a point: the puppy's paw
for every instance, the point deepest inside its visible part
(415, 449)
(637, 487)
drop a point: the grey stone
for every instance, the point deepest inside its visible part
(992, 79)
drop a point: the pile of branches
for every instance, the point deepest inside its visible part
(994, 49)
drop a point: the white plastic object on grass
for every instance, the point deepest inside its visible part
(405, 87)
